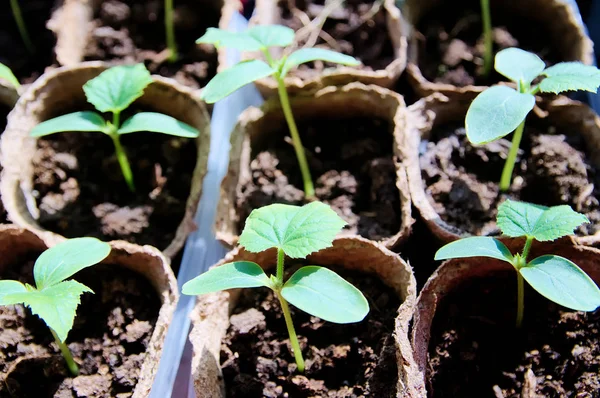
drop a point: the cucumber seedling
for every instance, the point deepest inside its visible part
(113, 91)
(500, 110)
(53, 298)
(554, 277)
(296, 232)
(260, 38)
(9, 76)
(18, 16)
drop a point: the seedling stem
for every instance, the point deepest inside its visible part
(170, 31)
(64, 349)
(16, 10)
(509, 165)
(488, 56)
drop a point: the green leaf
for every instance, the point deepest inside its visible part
(116, 88)
(67, 258)
(542, 223)
(312, 54)
(157, 123)
(298, 231)
(76, 121)
(234, 78)
(224, 38)
(570, 76)
(323, 293)
(7, 74)
(227, 276)
(8, 287)
(562, 281)
(476, 246)
(56, 304)
(496, 112)
(519, 65)
(272, 35)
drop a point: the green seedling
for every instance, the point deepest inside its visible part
(170, 31)
(500, 110)
(260, 38)
(488, 39)
(18, 15)
(113, 91)
(554, 277)
(296, 232)
(9, 76)
(53, 298)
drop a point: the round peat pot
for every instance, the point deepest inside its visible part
(350, 135)
(446, 47)
(8, 98)
(71, 183)
(240, 340)
(372, 32)
(454, 185)
(118, 333)
(466, 343)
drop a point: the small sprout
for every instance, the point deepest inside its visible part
(554, 277)
(488, 39)
(53, 298)
(260, 38)
(295, 232)
(113, 91)
(9, 76)
(16, 11)
(500, 110)
(170, 31)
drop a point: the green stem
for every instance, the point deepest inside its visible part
(487, 37)
(291, 332)
(509, 165)
(170, 30)
(280, 258)
(526, 249)
(66, 353)
(123, 162)
(520, 299)
(16, 10)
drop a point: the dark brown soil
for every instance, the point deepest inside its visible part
(4, 111)
(352, 360)
(129, 31)
(352, 167)
(13, 53)
(109, 339)
(352, 29)
(552, 169)
(476, 351)
(81, 190)
(452, 48)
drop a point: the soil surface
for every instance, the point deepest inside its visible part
(358, 29)
(352, 167)
(476, 351)
(4, 111)
(352, 360)
(108, 341)
(129, 31)
(81, 190)
(451, 50)
(27, 66)
(552, 169)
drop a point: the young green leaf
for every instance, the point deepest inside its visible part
(496, 112)
(8, 75)
(323, 293)
(312, 54)
(272, 35)
(519, 65)
(570, 76)
(475, 246)
(157, 123)
(116, 88)
(227, 276)
(223, 38)
(67, 258)
(298, 231)
(76, 121)
(234, 78)
(563, 282)
(8, 287)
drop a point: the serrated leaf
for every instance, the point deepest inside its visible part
(238, 274)
(518, 65)
(570, 76)
(76, 121)
(475, 246)
(8, 287)
(56, 304)
(323, 293)
(116, 88)
(223, 38)
(312, 54)
(234, 78)
(67, 258)
(272, 35)
(562, 281)
(298, 231)
(157, 123)
(556, 222)
(8, 75)
(496, 112)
